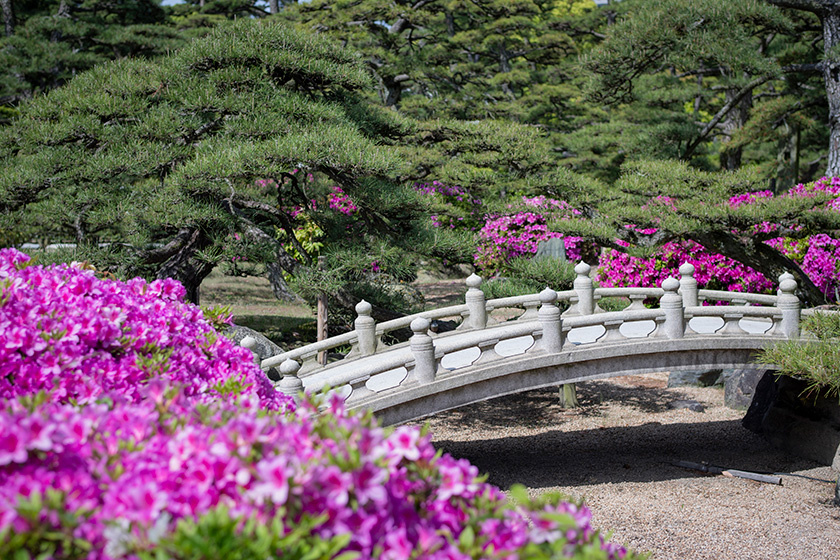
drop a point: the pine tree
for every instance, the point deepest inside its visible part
(161, 159)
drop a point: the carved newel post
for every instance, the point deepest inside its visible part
(672, 304)
(788, 303)
(688, 285)
(365, 326)
(290, 384)
(585, 289)
(550, 321)
(476, 303)
(423, 349)
(250, 343)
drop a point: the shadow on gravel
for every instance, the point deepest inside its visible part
(643, 453)
(533, 406)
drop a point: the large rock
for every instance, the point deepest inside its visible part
(263, 349)
(740, 386)
(795, 421)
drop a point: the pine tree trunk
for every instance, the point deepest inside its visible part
(278, 283)
(831, 73)
(274, 6)
(8, 10)
(730, 157)
(185, 267)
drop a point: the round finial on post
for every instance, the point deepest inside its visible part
(476, 303)
(789, 305)
(363, 309)
(585, 290)
(250, 343)
(548, 296)
(788, 285)
(688, 285)
(550, 322)
(672, 305)
(290, 384)
(671, 285)
(420, 325)
(365, 327)
(423, 350)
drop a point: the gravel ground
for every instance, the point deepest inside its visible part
(616, 452)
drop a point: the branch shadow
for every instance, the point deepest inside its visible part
(541, 406)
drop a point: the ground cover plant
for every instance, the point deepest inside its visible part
(130, 429)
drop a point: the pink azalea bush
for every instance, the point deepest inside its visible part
(130, 429)
(339, 201)
(506, 237)
(712, 271)
(817, 255)
(79, 337)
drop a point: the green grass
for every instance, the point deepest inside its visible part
(254, 306)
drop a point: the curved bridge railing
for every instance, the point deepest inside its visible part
(487, 356)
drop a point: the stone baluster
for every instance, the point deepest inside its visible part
(732, 324)
(250, 343)
(788, 303)
(637, 302)
(360, 389)
(688, 285)
(531, 311)
(290, 384)
(423, 350)
(585, 290)
(612, 332)
(550, 322)
(671, 303)
(476, 303)
(365, 326)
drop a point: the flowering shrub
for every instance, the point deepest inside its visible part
(79, 337)
(339, 201)
(712, 271)
(129, 429)
(504, 238)
(818, 256)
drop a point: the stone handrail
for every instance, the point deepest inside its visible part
(720, 295)
(679, 304)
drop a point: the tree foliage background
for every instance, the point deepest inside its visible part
(159, 152)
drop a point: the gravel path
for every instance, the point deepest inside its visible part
(617, 451)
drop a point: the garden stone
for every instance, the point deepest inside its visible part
(701, 378)
(693, 406)
(740, 386)
(263, 349)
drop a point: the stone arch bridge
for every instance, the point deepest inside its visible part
(487, 356)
